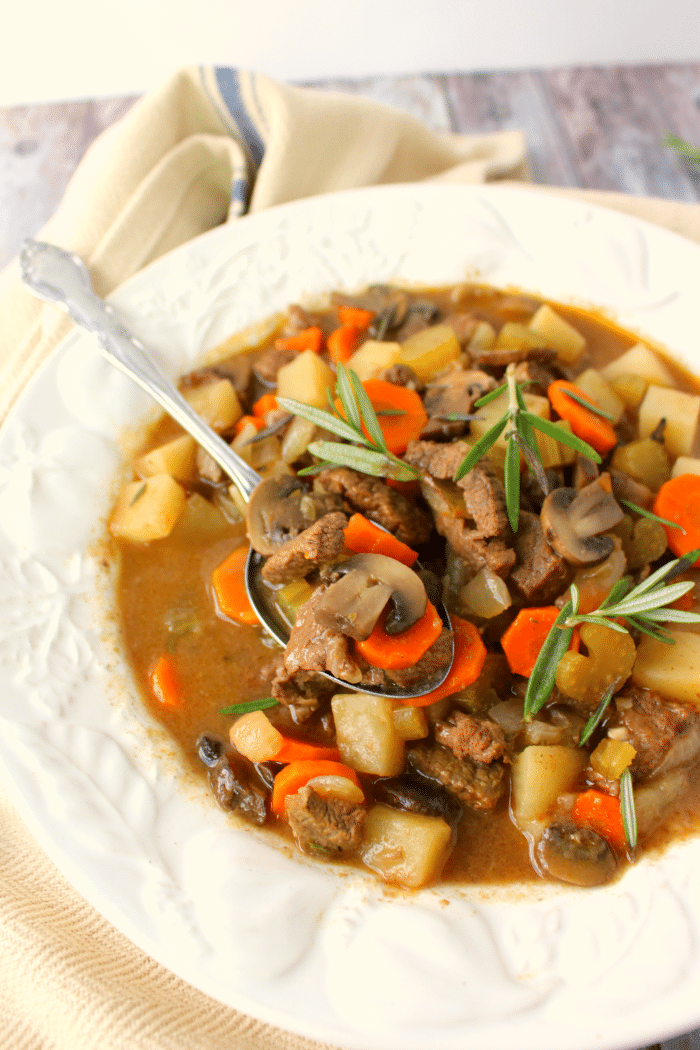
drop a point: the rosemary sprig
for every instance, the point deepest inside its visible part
(595, 719)
(358, 425)
(588, 404)
(629, 816)
(518, 424)
(252, 705)
(686, 149)
(648, 514)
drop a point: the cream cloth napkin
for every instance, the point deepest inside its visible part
(208, 146)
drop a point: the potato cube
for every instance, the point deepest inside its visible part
(558, 334)
(672, 670)
(630, 389)
(254, 735)
(682, 414)
(592, 384)
(201, 520)
(217, 404)
(685, 465)
(483, 338)
(516, 336)
(490, 414)
(639, 360)
(306, 379)
(406, 848)
(410, 723)
(540, 774)
(366, 734)
(147, 510)
(174, 457)
(372, 357)
(299, 435)
(431, 350)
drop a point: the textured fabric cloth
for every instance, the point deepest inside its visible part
(207, 147)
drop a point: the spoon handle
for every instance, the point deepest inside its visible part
(60, 277)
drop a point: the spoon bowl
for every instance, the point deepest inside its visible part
(61, 277)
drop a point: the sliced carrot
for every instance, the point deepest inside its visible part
(307, 339)
(601, 812)
(399, 429)
(397, 651)
(299, 750)
(342, 343)
(245, 420)
(470, 656)
(164, 682)
(228, 581)
(679, 500)
(295, 775)
(356, 317)
(525, 637)
(364, 537)
(588, 426)
(263, 405)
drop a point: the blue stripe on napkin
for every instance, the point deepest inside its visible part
(230, 88)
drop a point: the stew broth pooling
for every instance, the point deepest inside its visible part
(462, 783)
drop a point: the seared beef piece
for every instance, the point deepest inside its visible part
(417, 794)
(421, 314)
(664, 733)
(531, 495)
(314, 648)
(433, 661)
(473, 548)
(318, 545)
(301, 692)
(380, 503)
(453, 392)
(269, 363)
(476, 784)
(207, 468)
(402, 375)
(538, 378)
(470, 737)
(237, 369)
(540, 575)
(234, 787)
(507, 356)
(325, 825)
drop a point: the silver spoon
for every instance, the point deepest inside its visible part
(60, 277)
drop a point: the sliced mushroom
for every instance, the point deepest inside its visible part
(278, 510)
(573, 520)
(576, 855)
(453, 394)
(345, 601)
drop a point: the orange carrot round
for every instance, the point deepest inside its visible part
(307, 339)
(525, 637)
(364, 537)
(243, 422)
(679, 500)
(355, 316)
(299, 750)
(588, 426)
(399, 429)
(294, 776)
(164, 682)
(397, 651)
(342, 343)
(263, 405)
(228, 581)
(468, 663)
(601, 812)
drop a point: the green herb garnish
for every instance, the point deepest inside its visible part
(595, 719)
(252, 705)
(686, 149)
(629, 816)
(652, 517)
(588, 404)
(138, 494)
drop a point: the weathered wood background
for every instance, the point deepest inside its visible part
(602, 128)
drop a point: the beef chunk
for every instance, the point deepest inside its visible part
(379, 502)
(470, 737)
(475, 783)
(664, 733)
(234, 787)
(417, 794)
(540, 575)
(431, 663)
(538, 378)
(453, 393)
(402, 375)
(325, 825)
(318, 545)
(269, 363)
(301, 692)
(475, 549)
(237, 369)
(510, 356)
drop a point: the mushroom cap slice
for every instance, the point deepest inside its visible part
(408, 598)
(275, 513)
(573, 520)
(577, 855)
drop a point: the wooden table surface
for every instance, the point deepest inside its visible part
(602, 128)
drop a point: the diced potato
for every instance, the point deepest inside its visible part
(431, 350)
(306, 378)
(681, 412)
(552, 452)
(483, 338)
(249, 338)
(175, 457)
(217, 404)
(255, 737)
(595, 387)
(630, 389)
(405, 848)
(558, 334)
(685, 465)
(366, 735)
(373, 356)
(639, 360)
(201, 520)
(539, 775)
(672, 670)
(516, 336)
(612, 757)
(299, 435)
(147, 510)
(410, 723)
